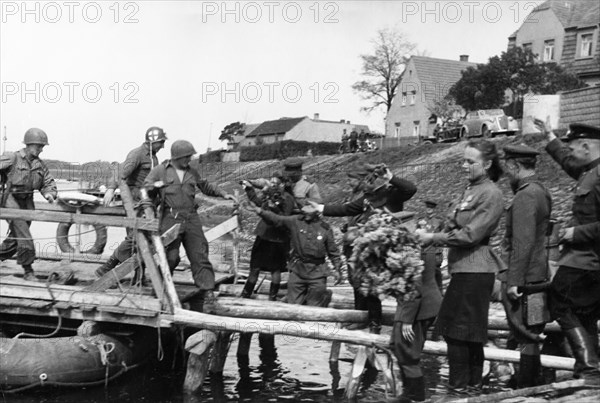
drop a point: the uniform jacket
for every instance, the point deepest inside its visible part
(391, 196)
(472, 220)
(305, 190)
(25, 176)
(433, 224)
(584, 251)
(310, 243)
(135, 169)
(179, 195)
(526, 224)
(426, 305)
(265, 230)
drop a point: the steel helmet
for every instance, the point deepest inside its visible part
(35, 136)
(182, 148)
(155, 134)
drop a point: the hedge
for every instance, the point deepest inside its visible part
(287, 148)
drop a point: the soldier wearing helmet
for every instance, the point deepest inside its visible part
(22, 173)
(133, 171)
(175, 183)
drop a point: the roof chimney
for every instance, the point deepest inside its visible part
(464, 58)
(342, 121)
(316, 117)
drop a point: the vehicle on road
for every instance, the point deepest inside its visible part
(488, 123)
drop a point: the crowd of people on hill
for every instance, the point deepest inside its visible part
(292, 236)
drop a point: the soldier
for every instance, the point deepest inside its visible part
(376, 187)
(311, 242)
(138, 164)
(353, 141)
(527, 223)
(432, 255)
(22, 172)
(575, 290)
(174, 182)
(344, 147)
(300, 188)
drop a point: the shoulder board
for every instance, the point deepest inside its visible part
(523, 186)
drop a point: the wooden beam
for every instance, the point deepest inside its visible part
(76, 296)
(90, 219)
(221, 229)
(319, 331)
(98, 210)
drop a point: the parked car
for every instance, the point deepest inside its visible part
(488, 123)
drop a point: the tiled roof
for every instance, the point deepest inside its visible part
(438, 74)
(573, 13)
(278, 126)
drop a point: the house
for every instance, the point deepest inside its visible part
(423, 81)
(565, 32)
(300, 129)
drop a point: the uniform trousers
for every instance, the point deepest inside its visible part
(408, 353)
(311, 292)
(19, 239)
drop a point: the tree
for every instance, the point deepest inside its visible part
(381, 70)
(516, 70)
(232, 129)
(444, 109)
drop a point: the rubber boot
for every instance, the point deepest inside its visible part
(104, 268)
(586, 361)
(458, 363)
(29, 274)
(248, 289)
(414, 389)
(529, 371)
(273, 291)
(476, 359)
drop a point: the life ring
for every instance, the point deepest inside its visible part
(62, 238)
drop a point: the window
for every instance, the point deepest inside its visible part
(549, 50)
(417, 128)
(397, 131)
(413, 97)
(527, 46)
(404, 99)
(585, 48)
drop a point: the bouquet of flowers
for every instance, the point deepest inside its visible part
(386, 258)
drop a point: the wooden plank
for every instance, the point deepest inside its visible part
(144, 248)
(57, 216)
(534, 390)
(83, 314)
(221, 229)
(358, 367)
(167, 279)
(334, 333)
(53, 293)
(126, 267)
(98, 210)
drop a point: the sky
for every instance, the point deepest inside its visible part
(96, 75)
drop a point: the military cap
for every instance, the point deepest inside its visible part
(514, 151)
(582, 131)
(292, 164)
(430, 204)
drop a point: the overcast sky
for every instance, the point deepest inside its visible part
(96, 75)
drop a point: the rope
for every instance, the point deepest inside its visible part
(42, 336)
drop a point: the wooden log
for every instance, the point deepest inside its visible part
(246, 308)
(199, 345)
(90, 209)
(221, 229)
(167, 279)
(90, 219)
(358, 367)
(534, 390)
(219, 356)
(319, 331)
(383, 365)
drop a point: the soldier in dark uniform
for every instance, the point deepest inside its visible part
(575, 291)
(432, 255)
(380, 189)
(311, 242)
(21, 173)
(299, 187)
(362, 141)
(138, 164)
(344, 148)
(527, 223)
(353, 141)
(175, 183)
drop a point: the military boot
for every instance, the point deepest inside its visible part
(248, 289)
(273, 291)
(529, 371)
(210, 301)
(586, 360)
(104, 268)
(29, 274)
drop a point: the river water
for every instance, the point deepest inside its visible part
(295, 370)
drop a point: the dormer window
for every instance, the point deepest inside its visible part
(586, 42)
(549, 50)
(404, 99)
(413, 97)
